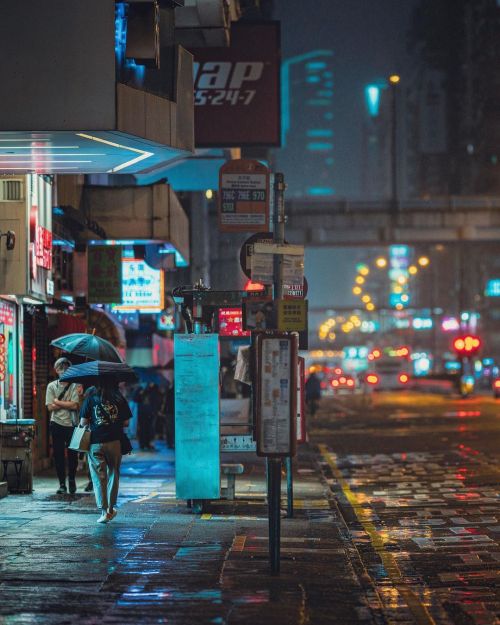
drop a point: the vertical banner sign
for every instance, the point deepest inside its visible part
(276, 409)
(105, 274)
(237, 89)
(301, 401)
(197, 429)
(243, 196)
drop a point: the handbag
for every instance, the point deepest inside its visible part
(125, 444)
(80, 441)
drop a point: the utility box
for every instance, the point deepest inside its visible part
(197, 429)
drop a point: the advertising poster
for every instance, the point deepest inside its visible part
(142, 287)
(276, 383)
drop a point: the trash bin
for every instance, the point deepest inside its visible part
(16, 454)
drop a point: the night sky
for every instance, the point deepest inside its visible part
(368, 38)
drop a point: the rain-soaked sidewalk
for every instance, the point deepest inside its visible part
(159, 563)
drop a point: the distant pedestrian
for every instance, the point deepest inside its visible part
(63, 401)
(145, 418)
(313, 393)
(107, 412)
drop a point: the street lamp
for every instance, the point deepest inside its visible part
(394, 81)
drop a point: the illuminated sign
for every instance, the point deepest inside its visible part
(231, 322)
(142, 287)
(237, 96)
(43, 247)
(492, 288)
(166, 321)
(450, 324)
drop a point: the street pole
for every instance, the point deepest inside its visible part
(274, 464)
(393, 82)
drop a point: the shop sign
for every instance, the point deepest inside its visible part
(43, 247)
(237, 88)
(243, 196)
(2, 357)
(142, 287)
(105, 274)
(6, 315)
(292, 315)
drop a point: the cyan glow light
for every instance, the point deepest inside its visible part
(492, 288)
(313, 65)
(320, 132)
(320, 146)
(321, 191)
(372, 96)
(422, 323)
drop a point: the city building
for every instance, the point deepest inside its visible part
(307, 153)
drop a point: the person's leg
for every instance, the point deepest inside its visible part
(58, 446)
(98, 472)
(72, 459)
(113, 460)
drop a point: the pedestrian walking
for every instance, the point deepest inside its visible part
(62, 401)
(107, 412)
(313, 393)
(145, 418)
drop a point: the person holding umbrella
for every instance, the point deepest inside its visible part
(62, 401)
(106, 412)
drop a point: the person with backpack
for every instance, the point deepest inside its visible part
(62, 401)
(106, 412)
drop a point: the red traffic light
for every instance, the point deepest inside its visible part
(467, 345)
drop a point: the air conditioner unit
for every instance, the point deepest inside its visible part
(12, 189)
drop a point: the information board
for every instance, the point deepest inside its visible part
(276, 392)
(197, 431)
(243, 196)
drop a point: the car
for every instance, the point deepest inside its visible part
(343, 382)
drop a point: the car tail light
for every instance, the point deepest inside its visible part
(403, 378)
(371, 378)
(342, 380)
(496, 384)
(335, 382)
(350, 382)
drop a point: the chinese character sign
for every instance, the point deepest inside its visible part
(105, 274)
(143, 287)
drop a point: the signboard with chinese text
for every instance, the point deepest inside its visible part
(243, 196)
(237, 88)
(43, 247)
(292, 315)
(142, 287)
(231, 322)
(276, 394)
(105, 274)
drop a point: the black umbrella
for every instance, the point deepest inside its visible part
(88, 346)
(98, 371)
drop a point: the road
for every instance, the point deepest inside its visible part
(417, 478)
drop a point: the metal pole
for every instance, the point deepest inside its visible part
(394, 166)
(274, 513)
(289, 487)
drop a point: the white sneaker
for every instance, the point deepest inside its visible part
(104, 518)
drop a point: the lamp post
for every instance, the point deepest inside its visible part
(394, 81)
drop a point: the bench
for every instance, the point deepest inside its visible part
(230, 471)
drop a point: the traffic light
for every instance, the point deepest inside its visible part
(466, 345)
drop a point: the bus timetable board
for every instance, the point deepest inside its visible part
(276, 393)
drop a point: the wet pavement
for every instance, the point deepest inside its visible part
(159, 563)
(397, 520)
(418, 482)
